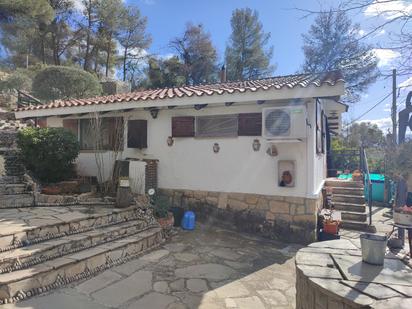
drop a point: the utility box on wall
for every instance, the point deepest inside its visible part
(286, 173)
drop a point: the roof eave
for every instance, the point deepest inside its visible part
(284, 93)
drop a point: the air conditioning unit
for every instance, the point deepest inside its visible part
(284, 123)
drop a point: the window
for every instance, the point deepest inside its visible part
(217, 126)
(101, 134)
(137, 134)
(183, 126)
(250, 124)
(72, 125)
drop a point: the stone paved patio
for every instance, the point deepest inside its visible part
(208, 268)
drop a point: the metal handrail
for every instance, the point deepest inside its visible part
(366, 173)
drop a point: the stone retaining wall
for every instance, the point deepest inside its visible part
(280, 217)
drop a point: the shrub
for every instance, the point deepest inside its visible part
(17, 80)
(399, 160)
(48, 152)
(60, 82)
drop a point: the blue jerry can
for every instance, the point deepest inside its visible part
(188, 221)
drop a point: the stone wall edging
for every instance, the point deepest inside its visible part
(283, 217)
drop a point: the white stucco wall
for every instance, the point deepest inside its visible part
(191, 163)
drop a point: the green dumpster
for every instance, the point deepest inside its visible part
(378, 188)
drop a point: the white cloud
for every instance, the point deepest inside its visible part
(361, 32)
(388, 107)
(389, 9)
(385, 56)
(384, 124)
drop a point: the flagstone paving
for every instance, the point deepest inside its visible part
(208, 268)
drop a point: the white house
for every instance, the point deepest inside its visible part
(250, 152)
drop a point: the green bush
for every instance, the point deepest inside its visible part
(48, 152)
(17, 80)
(399, 160)
(60, 82)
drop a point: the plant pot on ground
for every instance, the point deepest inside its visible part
(161, 207)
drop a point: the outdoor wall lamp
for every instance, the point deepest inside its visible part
(216, 147)
(256, 145)
(154, 112)
(170, 141)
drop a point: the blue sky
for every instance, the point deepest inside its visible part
(167, 19)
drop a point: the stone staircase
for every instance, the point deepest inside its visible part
(15, 193)
(35, 258)
(348, 197)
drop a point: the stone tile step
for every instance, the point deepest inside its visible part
(354, 216)
(16, 200)
(348, 191)
(17, 188)
(61, 225)
(348, 199)
(24, 257)
(343, 183)
(58, 272)
(357, 226)
(349, 207)
(10, 179)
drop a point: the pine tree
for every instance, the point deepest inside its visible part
(132, 36)
(247, 56)
(332, 44)
(196, 51)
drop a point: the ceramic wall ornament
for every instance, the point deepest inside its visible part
(272, 151)
(170, 141)
(216, 147)
(256, 145)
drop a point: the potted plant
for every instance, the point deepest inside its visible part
(161, 206)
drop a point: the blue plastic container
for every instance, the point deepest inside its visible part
(188, 221)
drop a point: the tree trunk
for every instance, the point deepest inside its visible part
(124, 64)
(89, 28)
(109, 50)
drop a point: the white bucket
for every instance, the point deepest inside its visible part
(373, 248)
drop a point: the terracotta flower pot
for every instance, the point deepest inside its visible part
(331, 227)
(166, 222)
(52, 190)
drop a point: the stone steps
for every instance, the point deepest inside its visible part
(343, 183)
(16, 200)
(350, 207)
(354, 216)
(358, 226)
(16, 188)
(24, 257)
(17, 285)
(67, 226)
(348, 198)
(348, 191)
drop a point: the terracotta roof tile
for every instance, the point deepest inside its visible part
(279, 82)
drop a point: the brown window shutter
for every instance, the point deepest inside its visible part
(250, 124)
(183, 126)
(137, 134)
(71, 125)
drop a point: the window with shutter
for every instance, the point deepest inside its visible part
(109, 130)
(137, 134)
(72, 125)
(183, 126)
(250, 124)
(217, 126)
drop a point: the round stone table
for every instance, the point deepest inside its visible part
(331, 275)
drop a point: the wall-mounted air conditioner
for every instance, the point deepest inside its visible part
(284, 123)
